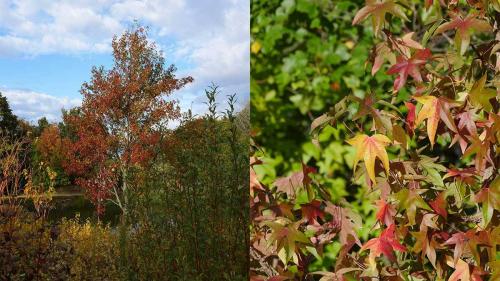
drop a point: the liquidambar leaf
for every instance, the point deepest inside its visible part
(377, 9)
(490, 199)
(385, 244)
(434, 109)
(480, 96)
(464, 28)
(409, 66)
(368, 149)
(461, 272)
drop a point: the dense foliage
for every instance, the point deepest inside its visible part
(425, 151)
(306, 56)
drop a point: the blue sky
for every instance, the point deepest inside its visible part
(47, 47)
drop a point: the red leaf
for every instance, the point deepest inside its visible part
(464, 175)
(312, 211)
(386, 213)
(410, 118)
(439, 205)
(385, 244)
(405, 67)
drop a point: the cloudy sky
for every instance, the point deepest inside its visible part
(47, 47)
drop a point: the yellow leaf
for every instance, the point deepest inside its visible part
(368, 149)
(434, 109)
(479, 96)
(255, 48)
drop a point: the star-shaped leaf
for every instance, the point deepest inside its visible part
(461, 272)
(409, 200)
(382, 53)
(439, 205)
(312, 211)
(425, 242)
(411, 66)
(286, 236)
(368, 149)
(377, 9)
(464, 27)
(480, 96)
(468, 242)
(433, 110)
(490, 199)
(410, 118)
(385, 213)
(385, 244)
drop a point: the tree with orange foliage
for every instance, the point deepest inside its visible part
(122, 118)
(52, 147)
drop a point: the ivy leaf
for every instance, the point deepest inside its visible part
(464, 28)
(377, 9)
(480, 96)
(385, 244)
(368, 149)
(433, 110)
(405, 67)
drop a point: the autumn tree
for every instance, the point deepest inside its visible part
(122, 118)
(50, 150)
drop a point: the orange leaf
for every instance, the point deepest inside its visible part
(434, 109)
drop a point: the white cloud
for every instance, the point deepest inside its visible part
(32, 106)
(211, 37)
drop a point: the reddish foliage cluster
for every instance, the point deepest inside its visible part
(124, 113)
(438, 187)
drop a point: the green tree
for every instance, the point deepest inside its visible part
(8, 121)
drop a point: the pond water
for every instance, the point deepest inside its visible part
(68, 202)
